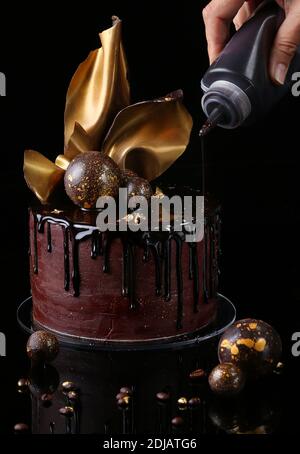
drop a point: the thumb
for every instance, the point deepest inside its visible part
(285, 45)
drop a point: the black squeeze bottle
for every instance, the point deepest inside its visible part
(237, 86)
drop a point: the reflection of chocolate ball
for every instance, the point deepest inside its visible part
(255, 412)
(137, 186)
(43, 379)
(226, 379)
(126, 175)
(251, 344)
(91, 175)
(42, 346)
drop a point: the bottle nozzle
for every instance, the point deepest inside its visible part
(212, 121)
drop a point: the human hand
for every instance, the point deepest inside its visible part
(219, 14)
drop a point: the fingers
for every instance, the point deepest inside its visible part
(218, 16)
(286, 42)
(245, 12)
(242, 16)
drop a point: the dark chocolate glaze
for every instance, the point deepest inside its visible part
(153, 245)
(162, 249)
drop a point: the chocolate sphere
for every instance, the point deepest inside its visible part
(197, 375)
(137, 186)
(91, 175)
(177, 421)
(21, 427)
(42, 346)
(126, 175)
(251, 344)
(226, 380)
(163, 396)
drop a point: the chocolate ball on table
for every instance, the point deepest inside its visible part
(226, 380)
(42, 347)
(252, 345)
(89, 176)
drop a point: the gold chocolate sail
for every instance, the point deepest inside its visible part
(41, 175)
(146, 137)
(98, 90)
(149, 136)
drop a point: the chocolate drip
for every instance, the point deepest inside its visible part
(167, 269)
(96, 249)
(75, 271)
(66, 258)
(179, 281)
(106, 251)
(146, 256)
(156, 252)
(49, 239)
(128, 274)
(193, 254)
(155, 246)
(35, 251)
(125, 278)
(131, 281)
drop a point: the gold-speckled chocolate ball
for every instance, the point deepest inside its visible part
(251, 344)
(126, 175)
(42, 346)
(139, 187)
(226, 380)
(91, 175)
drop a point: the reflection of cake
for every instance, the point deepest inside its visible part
(119, 286)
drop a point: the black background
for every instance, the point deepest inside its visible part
(253, 172)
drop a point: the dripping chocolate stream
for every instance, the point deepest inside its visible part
(203, 168)
(179, 281)
(167, 269)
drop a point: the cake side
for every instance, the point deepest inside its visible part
(119, 286)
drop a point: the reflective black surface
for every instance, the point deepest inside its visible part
(98, 377)
(254, 173)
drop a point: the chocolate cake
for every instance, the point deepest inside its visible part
(120, 286)
(115, 286)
